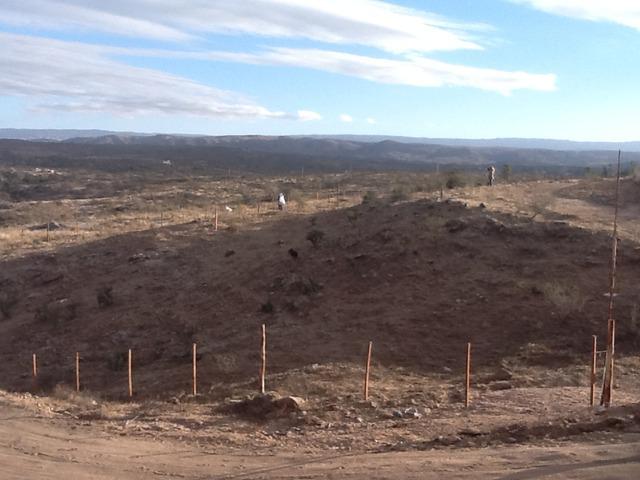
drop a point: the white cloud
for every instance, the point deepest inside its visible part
(414, 70)
(371, 121)
(308, 115)
(69, 76)
(346, 118)
(624, 12)
(374, 23)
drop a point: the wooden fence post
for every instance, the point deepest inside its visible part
(263, 355)
(592, 379)
(607, 384)
(77, 371)
(195, 371)
(216, 219)
(130, 376)
(367, 370)
(35, 365)
(467, 378)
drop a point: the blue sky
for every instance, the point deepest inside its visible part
(566, 69)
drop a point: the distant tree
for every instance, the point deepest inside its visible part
(505, 172)
(605, 171)
(629, 169)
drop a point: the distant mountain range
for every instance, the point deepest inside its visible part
(270, 154)
(56, 135)
(129, 138)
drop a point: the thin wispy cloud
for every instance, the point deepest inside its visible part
(374, 23)
(371, 121)
(308, 115)
(84, 77)
(623, 12)
(58, 75)
(346, 118)
(413, 70)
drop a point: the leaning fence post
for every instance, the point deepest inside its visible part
(467, 378)
(263, 355)
(367, 370)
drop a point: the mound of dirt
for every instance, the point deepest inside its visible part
(418, 279)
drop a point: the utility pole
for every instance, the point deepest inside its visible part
(607, 383)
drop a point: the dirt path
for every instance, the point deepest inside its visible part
(43, 448)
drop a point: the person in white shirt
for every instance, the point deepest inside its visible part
(491, 173)
(282, 203)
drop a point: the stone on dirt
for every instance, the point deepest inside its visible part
(268, 405)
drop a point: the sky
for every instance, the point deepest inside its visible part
(563, 69)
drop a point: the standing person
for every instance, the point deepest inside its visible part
(491, 173)
(282, 203)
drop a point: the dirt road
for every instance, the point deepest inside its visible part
(33, 447)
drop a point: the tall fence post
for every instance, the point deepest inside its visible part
(592, 378)
(77, 371)
(367, 371)
(130, 376)
(195, 371)
(607, 386)
(467, 378)
(263, 355)
(216, 219)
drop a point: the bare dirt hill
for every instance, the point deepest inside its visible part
(418, 279)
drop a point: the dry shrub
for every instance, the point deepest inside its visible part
(541, 204)
(369, 197)
(567, 299)
(80, 399)
(455, 180)
(8, 300)
(399, 194)
(315, 237)
(54, 313)
(104, 296)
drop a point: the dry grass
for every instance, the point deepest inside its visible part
(566, 299)
(122, 203)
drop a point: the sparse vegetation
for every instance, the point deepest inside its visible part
(505, 172)
(53, 313)
(117, 361)
(567, 299)
(399, 194)
(454, 180)
(8, 300)
(315, 237)
(104, 296)
(369, 197)
(267, 307)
